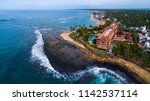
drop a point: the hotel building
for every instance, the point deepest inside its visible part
(104, 41)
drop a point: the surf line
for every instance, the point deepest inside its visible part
(38, 55)
(98, 72)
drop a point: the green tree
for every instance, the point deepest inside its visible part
(135, 38)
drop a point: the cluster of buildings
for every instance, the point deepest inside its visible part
(142, 29)
(104, 41)
(110, 36)
(144, 37)
(100, 17)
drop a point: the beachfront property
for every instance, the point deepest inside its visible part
(104, 41)
(99, 16)
(110, 37)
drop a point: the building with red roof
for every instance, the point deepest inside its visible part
(104, 41)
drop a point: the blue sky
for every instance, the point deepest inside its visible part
(58, 4)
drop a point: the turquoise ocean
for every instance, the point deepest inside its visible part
(21, 48)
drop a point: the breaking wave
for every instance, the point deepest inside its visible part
(91, 75)
(38, 55)
(98, 75)
(64, 20)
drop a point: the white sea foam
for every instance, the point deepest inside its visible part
(64, 20)
(46, 29)
(98, 72)
(38, 55)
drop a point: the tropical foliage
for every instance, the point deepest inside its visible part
(132, 52)
(83, 32)
(130, 18)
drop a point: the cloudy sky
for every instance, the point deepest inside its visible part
(65, 4)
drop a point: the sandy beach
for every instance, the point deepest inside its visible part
(138, 72)
(66, 37)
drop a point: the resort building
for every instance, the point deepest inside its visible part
(124, 37)
(104, 41)
(110, 37)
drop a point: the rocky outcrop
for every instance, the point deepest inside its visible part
(67, 55)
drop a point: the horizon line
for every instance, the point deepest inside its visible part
(80, 9)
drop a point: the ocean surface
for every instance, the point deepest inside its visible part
(22, 55)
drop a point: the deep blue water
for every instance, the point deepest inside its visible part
(21, 45)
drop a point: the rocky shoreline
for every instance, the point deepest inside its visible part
(71, 58)
(67, 57)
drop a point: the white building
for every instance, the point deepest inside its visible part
(147, 43)
(142, 38)
(143, 29)
(147, 36)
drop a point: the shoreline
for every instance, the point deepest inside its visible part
(96, 20)
(66, 37)
(65, 55)
(77, 59)
(136, 71)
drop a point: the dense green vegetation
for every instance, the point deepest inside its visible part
(132, 52)
(130, 18)
(127, 19)
(83, 33)
(135, 38)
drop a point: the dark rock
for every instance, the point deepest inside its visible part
(70, 57)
